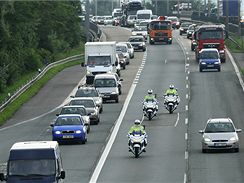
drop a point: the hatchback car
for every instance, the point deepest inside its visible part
(190, 31)
(184, 27)
(69, 127)
(140, 31)
(124, 49)
(220, 133)
(77, 110)
(209, 59)
(84, 91)
(91, 108)
(138, 42)
(130, 49)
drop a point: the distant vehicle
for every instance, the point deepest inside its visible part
(193, 42)
(69, 127)
(190, 31)
(220, 134)
(117, 12)
(140, 31)
(35, 162)
(108, 20)
(143, 23)
(131, 7)
(130, 49)
(142, 15)
(91, 108)
(154, 17)
(116, 21)
(184, 27)
(81, 110)
(174, 21)
(131, 20)
(99, 20)
(138, 42)
(88, 91)
(209, 59)
(124, 49)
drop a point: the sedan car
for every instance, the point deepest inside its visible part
(220, 133)
(209, 59)
(77, 110)
(69, 127)
(124, 49)
(130, 49)
(174, 21)
(91, 108)
(190, 31)
(140, 31)
(184, 27)
(85, 91)
(138, 42)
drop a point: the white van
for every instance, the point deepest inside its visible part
(108, 85)
(34, 161)
(143, 15)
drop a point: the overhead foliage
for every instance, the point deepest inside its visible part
(33, 31)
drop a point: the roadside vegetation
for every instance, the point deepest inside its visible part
(237, 46)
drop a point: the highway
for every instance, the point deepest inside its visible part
(174, 144)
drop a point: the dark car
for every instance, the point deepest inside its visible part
(138, 42)
(184, 27)
(190, 31)
(209, 59)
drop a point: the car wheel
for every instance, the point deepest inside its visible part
(88, 129)
(204, 150)
(180, 33)
(144, 49)
(219, 69)
(200, 69)
(124, 67)
(236, 150)
(120, 92)
(84, 141)
(117, 99)
(101, 110)
(192, 48)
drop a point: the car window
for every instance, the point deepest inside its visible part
(209, 55)
(219, 127)
(85, 103)
(105, 83)
(86, 93)
(74, 110)
(135, 40)
(68, 121)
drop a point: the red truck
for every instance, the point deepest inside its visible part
(211, 36)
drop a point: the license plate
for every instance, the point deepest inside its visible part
(220, 144)
(161, 39)
(68, 136)
(210, 65)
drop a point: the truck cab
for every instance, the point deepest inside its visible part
(34, 161)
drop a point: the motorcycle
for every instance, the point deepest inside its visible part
(150, 109)
(171, 102)
(137, 143)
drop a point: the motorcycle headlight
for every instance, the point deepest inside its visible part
(78, 131)
(58, 132)
(207, 139)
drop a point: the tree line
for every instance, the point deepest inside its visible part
(32, 32)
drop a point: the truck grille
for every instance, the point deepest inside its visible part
(211, 45)
(219, 140)
(68, 132)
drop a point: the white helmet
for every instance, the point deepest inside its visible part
(150, 91)
(171, 86)
(137, 122)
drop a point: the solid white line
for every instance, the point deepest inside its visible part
(186, 121)
(186, 107)
(165, 61)
(186, 154)
(188, 72)
(187, 53)
(184, 178)
(112, 137)
(237, 71)
(177, 120)
(188, 58)
(186, 136)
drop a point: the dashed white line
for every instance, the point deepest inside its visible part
(186, 107)
(188, 58)
(187, 78)
(177, 120)
(186, 121)
(186, 136)
(185, 178)
(187, 86)
(165, 61)
(187, 96)
(186, 154)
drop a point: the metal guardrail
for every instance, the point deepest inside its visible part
(33, 80)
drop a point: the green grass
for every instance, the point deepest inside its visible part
(233, 47)
(9, 111)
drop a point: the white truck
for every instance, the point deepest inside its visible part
(100, 57)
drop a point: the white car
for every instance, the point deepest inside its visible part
(124, 49)
(140, 31)
(108, 20)
(130, 49)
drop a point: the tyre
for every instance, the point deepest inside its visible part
(180, 33)
(117, 99)
(101, 109)
(219, 69)
(120, 92)
(88, 129)
(136, 152)
(192, 48)
(200, 69)
(84, 141)
(150, 116)
(144, 49)
(204, 150)
(170, 109)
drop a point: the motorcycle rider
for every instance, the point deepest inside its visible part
(172, 91)
(138, 128)
(150, 96)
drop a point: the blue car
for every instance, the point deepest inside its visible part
(209, 59)
(69, 127)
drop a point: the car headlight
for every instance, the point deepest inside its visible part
(140, 44)
(207, 140)
(203, 63)
(233, 139)
(217, 63)
(58, 132)
(98, 102)
(88, 72)
(78, 131)
(113, 93)
(181, 29)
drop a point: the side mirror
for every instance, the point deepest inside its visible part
(57, 114)
(62, 174)
(121, 79)
(201, 131)
(72, 96)
(52, 124)
(2, 177)
(238, 130)
(82, 64)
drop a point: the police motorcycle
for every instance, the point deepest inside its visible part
(171, 101)
(150, 108)
(137, 142)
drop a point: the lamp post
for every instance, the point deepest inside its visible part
(87, 22)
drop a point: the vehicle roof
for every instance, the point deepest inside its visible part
(222, 120)
(35, 145)
(209, 49)
(73, 106)
(82, 98)
(143, 11)
(86, 88)
(206, 26)
(101, 43)
(106, 75)
(69, 115)
(121, 44)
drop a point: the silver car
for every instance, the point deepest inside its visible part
(84, 91)
(124, 49)
(91, 108)
(130, 49)
(220, 133)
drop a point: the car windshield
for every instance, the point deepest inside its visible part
(86, 93)
(140, 28)
(143, 24)
(131, 17)
(85, 103)
(209, 55)
(71, 120)
(136, 40)
(219, 127)
(121, 48)
(143, 16)
(105, 83)
(211, 34)
(74, 110)
(173, 19)
(160, 25)
(99, 60)
(40, 167)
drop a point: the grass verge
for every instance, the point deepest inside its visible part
(9, 111)
(234, 47)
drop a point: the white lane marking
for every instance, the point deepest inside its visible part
(187, 96)
(188, 72)
(186, 136)
(187, 78)
(165, 61)
(186, 154)
(187, 53)
(52, 110)
(109, 144)
(186, 107)
(187, 86)
(177, 120)
(185, 178)
(186, 121)
(188, 58)
(237, 71)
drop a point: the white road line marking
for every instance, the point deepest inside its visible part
(188, 58)
(187, 53)
(165, 61)
(177, 120)
(112, 137)
(187, 96)
(186, 136)
(186, 121)
(186, 154)
(187, 86)
(187, 78)
(237, 71)
(185, 178)
(188, 72)
(186, 107)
